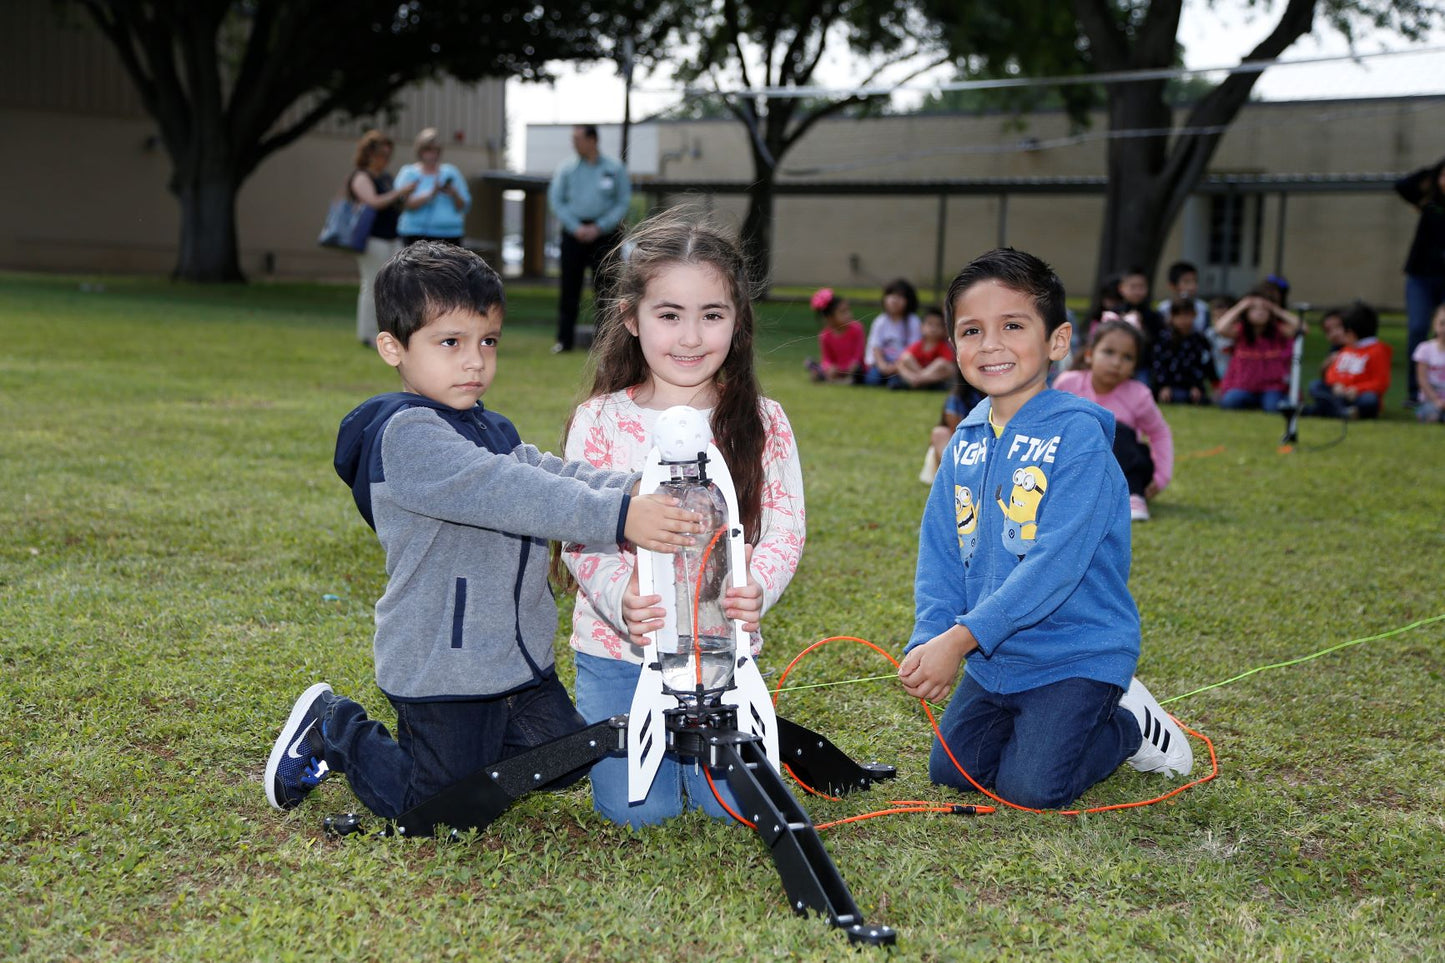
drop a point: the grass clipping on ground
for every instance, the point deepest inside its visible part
(180, 561)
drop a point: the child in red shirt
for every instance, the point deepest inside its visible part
(840, 343)
(1357, 379)
(929, 361)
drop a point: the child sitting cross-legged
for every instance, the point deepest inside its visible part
(928, 362)
(1358, 376)
(1261, 336)
(891, 332)
(464, 509)
(1183, 359)
(1023, 566)
(1429, 362)
(840, 342)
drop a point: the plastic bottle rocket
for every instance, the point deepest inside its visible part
(698, 657)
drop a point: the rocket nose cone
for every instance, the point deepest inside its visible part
(681, 432)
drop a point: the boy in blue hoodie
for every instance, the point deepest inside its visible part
(464, 509)
(1023, 565)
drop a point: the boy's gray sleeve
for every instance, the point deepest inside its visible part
(594, 477)
(431, 470)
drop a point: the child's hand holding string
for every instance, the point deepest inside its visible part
(930, 671)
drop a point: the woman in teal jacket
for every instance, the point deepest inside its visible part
(437, 207)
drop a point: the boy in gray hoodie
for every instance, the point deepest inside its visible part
(464, 509)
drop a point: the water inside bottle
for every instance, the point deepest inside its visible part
(679, 669)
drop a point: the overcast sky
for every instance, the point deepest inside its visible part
(1212, 37)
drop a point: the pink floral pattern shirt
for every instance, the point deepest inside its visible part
(614, 432)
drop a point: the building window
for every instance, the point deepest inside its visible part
(1230, 217)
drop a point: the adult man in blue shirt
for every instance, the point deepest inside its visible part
(589, 194)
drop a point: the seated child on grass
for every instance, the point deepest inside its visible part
(1356, 380)
(1183, 359)
(1184, 287)
(928, 362)
(840, 342)
(1023, 566)
(891, 332)
(962, 397)
(1261, 335)
(1332, 326)
(1134, 292)
(1106, 377)
(1429, 362)
(464, 509)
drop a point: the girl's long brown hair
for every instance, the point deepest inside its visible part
(684, 236)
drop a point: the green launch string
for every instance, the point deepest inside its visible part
(1204, 688)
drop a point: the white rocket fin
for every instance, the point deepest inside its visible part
(754, 706)
(749, 693)
(646, 727)
(646, 731)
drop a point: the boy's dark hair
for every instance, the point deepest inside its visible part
(1018, 270)
(1361, 320)
(1178, 269)
(1181, 306)
(425, 280)
(588, 130)
(933, 309)
(910, 294)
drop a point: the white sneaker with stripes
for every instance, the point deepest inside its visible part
(1165, 748)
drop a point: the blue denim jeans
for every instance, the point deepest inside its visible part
(1040, 748)
(1422, 296)
(1239, 398)
(604, 689)
(440, 743)
(1326, 404)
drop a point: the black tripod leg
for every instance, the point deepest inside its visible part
(476, 801)
(822, 766)
(811, 880)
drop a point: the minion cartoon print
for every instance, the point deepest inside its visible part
(1022, 510)
(965, 513)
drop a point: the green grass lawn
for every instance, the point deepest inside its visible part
(179, 561)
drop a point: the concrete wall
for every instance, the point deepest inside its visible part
(89, 194)
(83, 179)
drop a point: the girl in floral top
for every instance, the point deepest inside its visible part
(678, 332)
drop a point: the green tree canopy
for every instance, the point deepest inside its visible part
(1150, 178)
(742, 52)
(230, 82)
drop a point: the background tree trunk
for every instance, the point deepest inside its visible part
(1135, 225)
(757, 231)
(208, 249)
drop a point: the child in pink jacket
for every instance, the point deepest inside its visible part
(1107, 378)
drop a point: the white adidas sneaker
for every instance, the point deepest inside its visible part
(1165, 748)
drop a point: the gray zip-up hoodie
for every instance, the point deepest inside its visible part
(464, 510)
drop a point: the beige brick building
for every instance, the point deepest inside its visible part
(1301, 187)
(83, 176)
